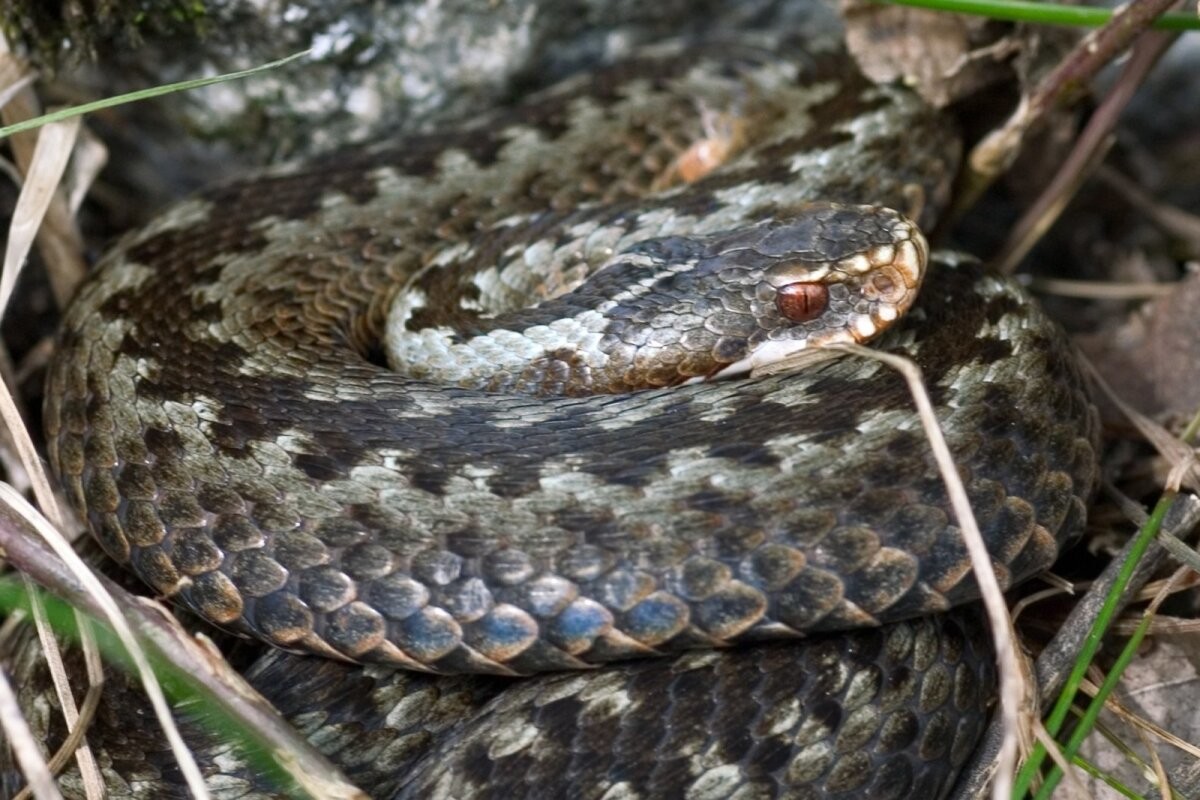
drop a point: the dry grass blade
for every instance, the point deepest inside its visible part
(45, 165)
(24, 746)
(1060, 656)
(73, 745)
(1138, 721)
(1143, 727)
(1161, 781)
(1136, 514)
(1036, 597)
(88, 160)
(1099, 290)
(58, 238)
(225, 691)
(1150, 590)
(10, 459)
(1172, 220)
(40, 483)
(12, 80)
(1089, 150)
(113, 616)
(49, 162)
(1185, 469)
(1056, 755)
(77, 720)
(42, 490)
(1015, 689)
(1180, 551)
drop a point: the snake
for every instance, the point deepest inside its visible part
(500, 400)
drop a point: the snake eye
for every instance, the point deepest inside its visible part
(801, 302)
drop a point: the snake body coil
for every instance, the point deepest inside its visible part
(218, 409)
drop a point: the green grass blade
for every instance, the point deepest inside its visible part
(142, 94)
(1088, 721)
(180, 687)
(1099, 774)
(1044, 13)
(1091, 644)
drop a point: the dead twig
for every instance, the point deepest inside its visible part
(1171, 220)
(1090, 148)
(1064, 85)
(24, 746)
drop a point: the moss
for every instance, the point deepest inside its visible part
(55, 32)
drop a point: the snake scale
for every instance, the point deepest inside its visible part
(219, 409)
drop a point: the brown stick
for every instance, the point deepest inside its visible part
(1064, 85)
(1087, 154)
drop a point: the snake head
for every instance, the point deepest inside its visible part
(674, 309)
(831, 274)
(729, 303)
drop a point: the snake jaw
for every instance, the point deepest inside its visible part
(771, 353)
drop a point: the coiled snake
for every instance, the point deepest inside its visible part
(219, 409)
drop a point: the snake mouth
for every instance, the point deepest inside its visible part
(771, 354)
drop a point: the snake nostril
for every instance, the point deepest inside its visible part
(883, 284)
(802, 302)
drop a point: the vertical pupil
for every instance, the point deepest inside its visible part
(802, 302)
